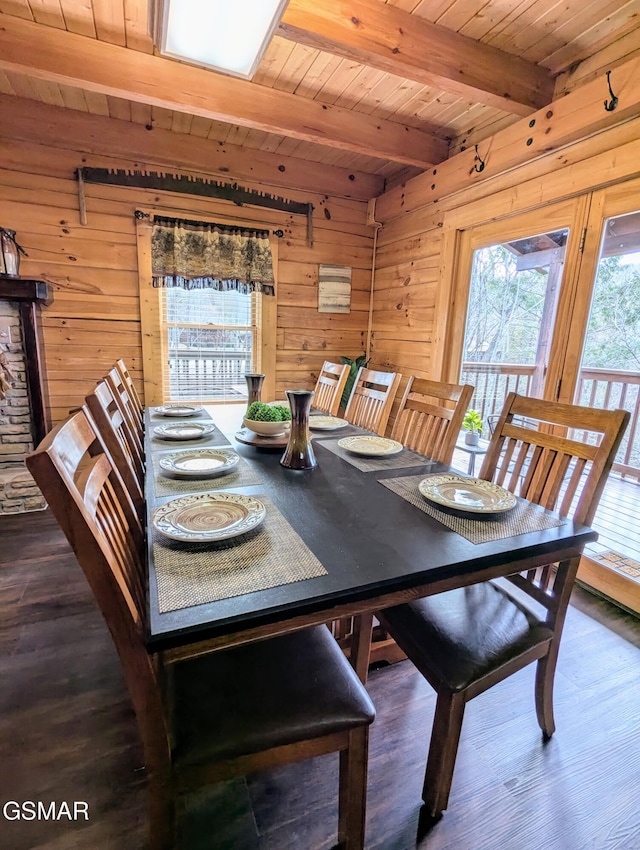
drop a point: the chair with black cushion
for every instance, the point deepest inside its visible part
(330, 386)
(117, 436)
(220, 715)
(465, 641)
(371, 399)
(430, 417)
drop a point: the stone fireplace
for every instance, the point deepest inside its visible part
(23, 418)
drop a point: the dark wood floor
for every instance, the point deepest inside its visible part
(67, 732)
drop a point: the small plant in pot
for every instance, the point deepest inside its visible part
(472, 424)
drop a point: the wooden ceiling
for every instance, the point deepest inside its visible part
(387, 88)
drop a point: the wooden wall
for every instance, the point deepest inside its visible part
(95, 316)
(413, 304)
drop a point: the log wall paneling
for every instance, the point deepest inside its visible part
(95, 316)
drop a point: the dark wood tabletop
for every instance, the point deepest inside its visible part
(377, 548)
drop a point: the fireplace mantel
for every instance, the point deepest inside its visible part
(29, 295)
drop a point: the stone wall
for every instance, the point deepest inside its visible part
(18, 491)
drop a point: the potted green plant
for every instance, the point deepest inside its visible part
(472, 424)
(354, 365)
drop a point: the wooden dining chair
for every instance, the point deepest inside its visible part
(116, 434)
(330, 386)
(131, 388)
(210, 718)
(122, 395)
(464, 641)
(430, 417)
(371, 399)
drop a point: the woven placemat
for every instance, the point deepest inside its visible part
(242, 475)
(524, 518)
(405, 458)
(270, 556)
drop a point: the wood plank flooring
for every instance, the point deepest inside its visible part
(67, 732)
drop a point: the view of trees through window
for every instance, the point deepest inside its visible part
(505, 309)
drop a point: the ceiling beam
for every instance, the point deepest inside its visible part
(59, 56)
(392, 40)
(71, 129)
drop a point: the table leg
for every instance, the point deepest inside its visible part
(361, 644)
(472, 463)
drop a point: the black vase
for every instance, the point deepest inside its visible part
(254, 387)
(299, 452)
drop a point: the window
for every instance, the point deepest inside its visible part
(211, 340)
(198, 344)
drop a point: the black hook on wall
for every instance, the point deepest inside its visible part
(479, 167)
(610, 105)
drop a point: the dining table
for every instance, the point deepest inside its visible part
(347, 538)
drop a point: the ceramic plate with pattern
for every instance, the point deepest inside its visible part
(198, 463)
(467, 494)
(208, 517)
(370, 446)
(178, 410)
(184, 430)
(326, 423)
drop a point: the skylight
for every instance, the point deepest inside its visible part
(226, 35)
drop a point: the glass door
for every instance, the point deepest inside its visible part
(512, 278)
(603, 370)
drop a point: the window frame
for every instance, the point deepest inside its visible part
(154, 349)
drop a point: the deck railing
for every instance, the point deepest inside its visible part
(602, 388)
(214, 375)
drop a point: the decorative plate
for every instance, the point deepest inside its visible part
(208, 517)
(198, 463)
(184, 430)
(326, 423)
(178, 410)
(472, 495)
(370, 446)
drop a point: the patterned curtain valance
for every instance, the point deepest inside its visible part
(198, 255)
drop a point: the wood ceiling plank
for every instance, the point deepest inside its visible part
(48, 12)
(295, 69)
(97, 103)
(94, 134)
(602, 34)
(19, 8)
(403, 44)
(64, 57)
(579, 115)
(141, 113)
(323, 65)
(624, 48)
(48, 92)
(22, 86)
(119, 108)
(583, 26)
(492, 16)
(78, 17)
(136, 25)
(108, 16)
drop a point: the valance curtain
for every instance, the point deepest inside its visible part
(200, 255)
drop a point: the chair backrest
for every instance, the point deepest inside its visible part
(122, 395)
(117, 436)
(73, 469)
(547, 466)
(131, 389)
(430, 417)
(372, 398)
(330, 386)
